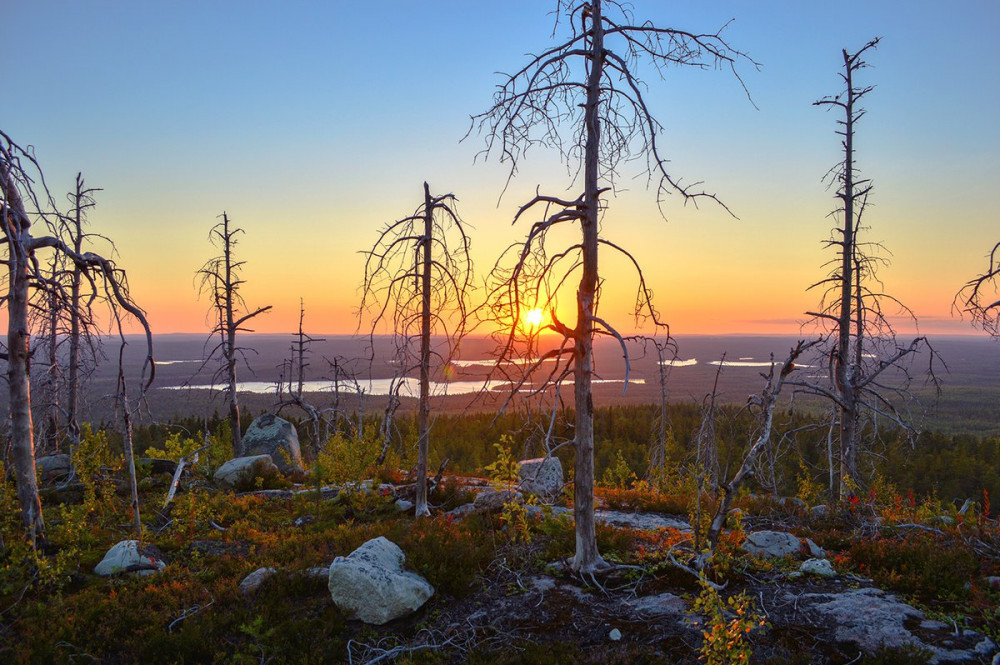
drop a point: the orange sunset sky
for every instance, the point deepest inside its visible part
(313, 124)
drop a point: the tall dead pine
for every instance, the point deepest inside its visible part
(417, 280)
(221, 281)
(583, 98)
(862, 344)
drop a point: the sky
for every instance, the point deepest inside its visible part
(313, 124)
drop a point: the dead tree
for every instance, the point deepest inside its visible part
(25, 200)
(417, 280)
(583, 98)
(80, 322)
(297, 364)
(979, 298)
(766, 403)
(861, 342)
(221, 282)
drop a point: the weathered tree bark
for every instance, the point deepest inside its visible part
(18, 360)
(587, 557)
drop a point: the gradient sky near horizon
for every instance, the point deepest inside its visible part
(314, 123)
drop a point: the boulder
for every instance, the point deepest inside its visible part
(270, 435)
(542, 477)
(820, 567)
(490, 501)
(230, 472)
(370, 584)
(818, 512)
(252, 582)
(127, 557)
(815, 551)
(53, 467)
(772, 544)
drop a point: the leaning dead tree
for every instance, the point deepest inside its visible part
(25, 200)
(862, 352)
(765, 403)
(583, 98)
(417, 280)
(979, 298)
(220, 280)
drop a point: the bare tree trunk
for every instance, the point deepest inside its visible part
(229, 350)
(127, 445)
(73, 394)
(423, 444)
(587, 558)
(18, 372)
(846, 367)
(53, 385)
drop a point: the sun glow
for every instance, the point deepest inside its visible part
(533, 317)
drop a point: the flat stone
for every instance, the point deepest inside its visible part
(772, 544)
(660, 605)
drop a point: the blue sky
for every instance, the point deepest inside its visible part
(314, 123)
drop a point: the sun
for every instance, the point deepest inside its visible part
(533, 317)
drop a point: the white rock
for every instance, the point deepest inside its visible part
(126, 557)
(404, 506)
(370, 584)
(615, 635)
(252, 582)
(229, 473)
(820, 567)
(818, 512)
(542, 477)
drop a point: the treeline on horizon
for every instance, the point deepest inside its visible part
(952, 467)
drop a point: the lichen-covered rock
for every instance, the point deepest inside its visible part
(772, 544)
(820, 567)
(873, 619)
(231, 471)
(127, 557)
(270, 435)
(252, 582)
(370, 584)
(53, 467)
(542, 477)
(489, 501)
(660, 605)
